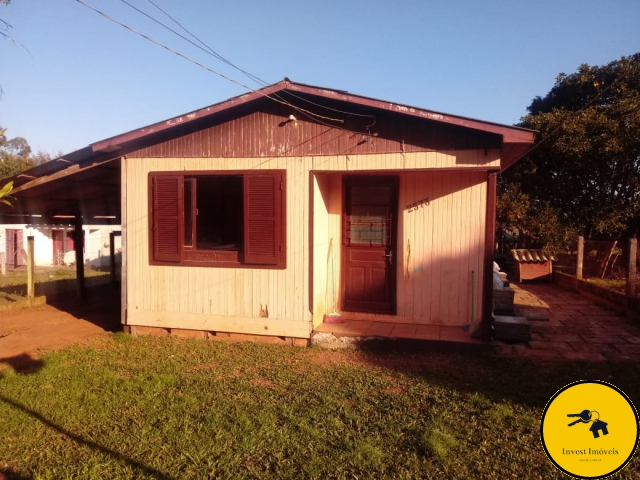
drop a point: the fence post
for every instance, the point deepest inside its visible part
(79, 246)
(31, 283)
(631, 271)
(580, 259)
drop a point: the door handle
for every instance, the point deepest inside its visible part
(390, 257)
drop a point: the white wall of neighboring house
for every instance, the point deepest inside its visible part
(96, 248)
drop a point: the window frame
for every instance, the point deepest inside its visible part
(190, 256)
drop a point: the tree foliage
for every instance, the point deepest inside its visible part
(4, 194)
(583, 175)
(16, 155)
(4, 26)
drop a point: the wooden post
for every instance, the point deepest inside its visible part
(3, 264)
(631, 271)
(489, 240)
(79, 246)
(31, 278)
(123, 245)
(112, 257)
(580, 259)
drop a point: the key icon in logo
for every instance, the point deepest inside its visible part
(587, 416)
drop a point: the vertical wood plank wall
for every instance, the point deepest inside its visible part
(439, 246)
(433, 283)
(219, 299)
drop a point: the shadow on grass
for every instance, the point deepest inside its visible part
(479, 370)
(25, 364)
(78, 439)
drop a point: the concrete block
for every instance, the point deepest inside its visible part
(183, 333)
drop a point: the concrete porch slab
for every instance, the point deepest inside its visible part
(411, 331)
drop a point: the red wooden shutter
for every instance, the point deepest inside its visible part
(167, 218)
(263, 218)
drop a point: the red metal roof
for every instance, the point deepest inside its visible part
(516, 141)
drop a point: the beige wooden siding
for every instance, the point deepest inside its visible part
(440, 245)
(441, 237)
(327, 242)
(219, 298)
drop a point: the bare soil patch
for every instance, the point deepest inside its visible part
(26, 334)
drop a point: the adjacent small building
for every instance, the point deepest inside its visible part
(264, 213)
(55, 244)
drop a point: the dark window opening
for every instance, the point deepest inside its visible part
(218, 212)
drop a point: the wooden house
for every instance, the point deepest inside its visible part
(264, 213)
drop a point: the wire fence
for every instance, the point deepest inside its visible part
(603, 261)
(57, 277)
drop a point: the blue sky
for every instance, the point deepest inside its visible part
(84, 78)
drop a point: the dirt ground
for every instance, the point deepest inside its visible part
(26, 334)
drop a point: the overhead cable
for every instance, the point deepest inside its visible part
(146, 37)
(231, 64)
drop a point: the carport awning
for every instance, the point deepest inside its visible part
(59, 190)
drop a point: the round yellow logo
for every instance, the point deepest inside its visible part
(589, 429)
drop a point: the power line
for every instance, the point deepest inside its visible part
(329, 108)
(165, 26)
(231, 64)
(299, 109)
(210, 50)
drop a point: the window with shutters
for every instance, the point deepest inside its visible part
(229, 219)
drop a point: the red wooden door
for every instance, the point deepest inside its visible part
(71, 242)
(369, 244)
(58, 249)
(14, 247)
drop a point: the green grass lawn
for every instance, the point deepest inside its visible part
(18, 276)
(611, 284)
(168, 408)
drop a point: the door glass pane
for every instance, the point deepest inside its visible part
(369, 225)
(368, 234)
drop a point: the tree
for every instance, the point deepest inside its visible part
(583, 174)
(16, 156)
(5, 27)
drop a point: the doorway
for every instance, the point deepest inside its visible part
(369, 237)
(14, 247)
